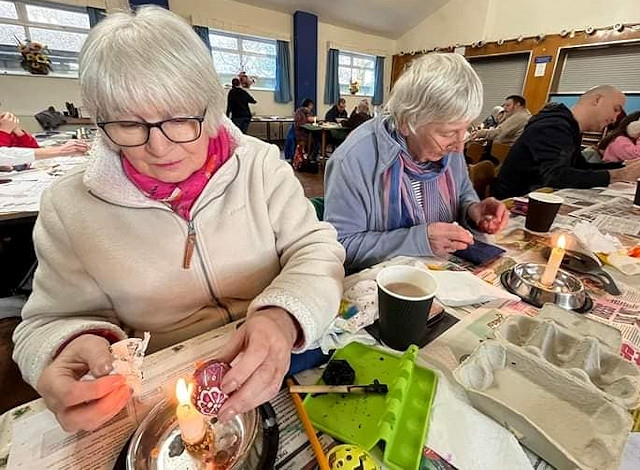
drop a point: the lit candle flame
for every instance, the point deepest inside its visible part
(183, 392)
(561, 242)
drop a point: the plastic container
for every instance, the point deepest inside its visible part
(400, 418)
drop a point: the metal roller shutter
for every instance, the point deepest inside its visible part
(586, 67)
(501, 76)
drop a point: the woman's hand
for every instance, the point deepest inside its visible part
(71, 147)
(261, 353)
(445, 238)
(83, 405)
(490, 215)
(9, 122)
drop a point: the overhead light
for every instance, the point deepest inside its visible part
(572, 34)
(500, 42)
(480, 43)
(590, 30)
(520, 38)
(564, 33)
(540, 37)
(618, 27)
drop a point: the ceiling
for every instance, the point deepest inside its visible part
(387, 18)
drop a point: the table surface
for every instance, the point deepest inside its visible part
(445, 351)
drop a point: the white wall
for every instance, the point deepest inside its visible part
(459, 21)
(462, 21)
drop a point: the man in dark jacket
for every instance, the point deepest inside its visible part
(337, 111)
(238, 110)
(548, 152)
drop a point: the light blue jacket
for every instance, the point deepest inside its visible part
(353, 198)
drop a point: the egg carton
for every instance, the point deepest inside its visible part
(557, 383)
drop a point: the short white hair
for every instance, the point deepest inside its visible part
(435, 88)
(150, 61)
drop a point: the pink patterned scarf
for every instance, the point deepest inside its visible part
(181, 196)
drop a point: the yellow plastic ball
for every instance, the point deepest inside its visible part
(350, 457)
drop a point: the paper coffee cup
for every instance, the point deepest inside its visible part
(541, 211)
(405, 295)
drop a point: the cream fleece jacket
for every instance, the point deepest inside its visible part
(110, 258)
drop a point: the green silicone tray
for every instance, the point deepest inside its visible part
(400, 418)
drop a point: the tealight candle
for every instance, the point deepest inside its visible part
(193, 426)
(553, 265)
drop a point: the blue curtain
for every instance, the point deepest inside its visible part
(95, 15)
(378, 89)
(332, 83)
(203, 32)
(283, 73)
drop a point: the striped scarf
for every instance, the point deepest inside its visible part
(401, 208)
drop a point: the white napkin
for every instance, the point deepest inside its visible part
(458, 288)
(594, 239)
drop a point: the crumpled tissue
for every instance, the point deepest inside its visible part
(594, 239)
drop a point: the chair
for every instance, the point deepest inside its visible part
(500, 151)
(318, 205)
(474, 151)
(482, 175)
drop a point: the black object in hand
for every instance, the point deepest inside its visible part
(480, 252)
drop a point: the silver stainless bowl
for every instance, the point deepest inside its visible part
(157, 444)
(567, 290)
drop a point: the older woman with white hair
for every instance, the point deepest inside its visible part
(179, 224)
(399, 185)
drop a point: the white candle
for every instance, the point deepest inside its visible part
(551, 270)
(193, 426)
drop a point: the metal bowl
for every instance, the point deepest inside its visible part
(157, 444)
(567, 290)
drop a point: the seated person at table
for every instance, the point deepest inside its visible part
(399, 184)
(496, 117)
(549, 154)
(337, 111)
(358, 116)
(622, 143)
(516, 117)
(17, 146)
(302, 116)
(178, 225)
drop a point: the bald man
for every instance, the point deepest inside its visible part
(548, 152)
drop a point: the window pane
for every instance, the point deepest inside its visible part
(8, 10)
(58, 40)
(59, 17)
(9, 33)
(362, 62)
(224, 42)
(344, 59)
(369, 79)
(226, 62)
(258, 47)
(344, 75)
(260, 66)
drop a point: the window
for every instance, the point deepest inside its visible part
(235, 53)
(62, 29)
(358, 67)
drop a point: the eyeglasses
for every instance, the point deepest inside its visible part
(178, 130)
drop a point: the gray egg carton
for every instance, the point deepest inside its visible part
(557, 382)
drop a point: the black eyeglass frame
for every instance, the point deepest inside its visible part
(151, 125)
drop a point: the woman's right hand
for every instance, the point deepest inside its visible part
(446, 238)
(83, 405)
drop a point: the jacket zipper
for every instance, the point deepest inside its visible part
(189, 245)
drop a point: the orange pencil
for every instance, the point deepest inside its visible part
(323, 464)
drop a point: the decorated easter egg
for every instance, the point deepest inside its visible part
(207, 396)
